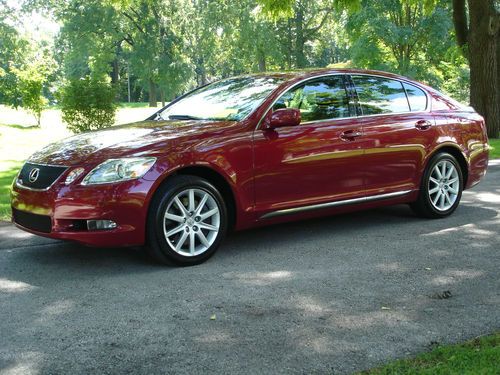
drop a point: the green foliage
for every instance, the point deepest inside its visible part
(285, 8)
(30, 82)
(162, 48)
(478, 356)
(495, 149)
(25, 68)
(13, 50)
(88, 104)
(410, 37)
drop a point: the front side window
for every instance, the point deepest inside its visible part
(377, 95)
(229, 99)
(318, 99)
(416, 97)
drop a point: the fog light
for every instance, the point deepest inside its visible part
(100, 224)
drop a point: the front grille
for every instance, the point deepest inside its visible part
(36, 176)
(39, 223)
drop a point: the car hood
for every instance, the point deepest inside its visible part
(135, 139)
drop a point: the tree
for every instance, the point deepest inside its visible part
(301, 21)
(13, 51)
(30, 82)
(24, 68)
(410, 37)
(477, 32)
(401, 31)
(152, 29)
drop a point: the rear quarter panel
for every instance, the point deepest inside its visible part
(461, 127)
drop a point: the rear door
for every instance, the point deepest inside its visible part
(397, 131)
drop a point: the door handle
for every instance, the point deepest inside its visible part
(350, 135)
(423, 124)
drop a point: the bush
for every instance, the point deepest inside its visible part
(88, 104)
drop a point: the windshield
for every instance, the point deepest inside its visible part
(229, 99)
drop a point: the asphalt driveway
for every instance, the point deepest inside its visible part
(332, 295)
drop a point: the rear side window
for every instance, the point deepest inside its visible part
(318, 99)
(416, 97)
(379, 95)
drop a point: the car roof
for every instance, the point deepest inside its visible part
(310, 73)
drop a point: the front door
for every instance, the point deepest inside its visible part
(319, 160)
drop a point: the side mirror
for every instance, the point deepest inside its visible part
(283, 117)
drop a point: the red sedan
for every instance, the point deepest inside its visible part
(254, 150)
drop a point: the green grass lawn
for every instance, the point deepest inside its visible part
(8, 170)
(136, 105)
(478, 356)
(495, 149)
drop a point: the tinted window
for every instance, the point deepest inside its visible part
(416, 97)
(318, 99)
(380, 95)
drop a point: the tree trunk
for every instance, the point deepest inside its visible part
(461, 26)
(115, 71)
(262, 61)
(289, 45)
(152, 93)
(483, 60)
(162, 97)
(300, 58)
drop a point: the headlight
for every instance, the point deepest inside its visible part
(73, 175)
(116, 170)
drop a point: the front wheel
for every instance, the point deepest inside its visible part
(187, 221)
(441, 187)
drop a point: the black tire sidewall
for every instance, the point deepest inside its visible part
(424, 190)
(158, 240)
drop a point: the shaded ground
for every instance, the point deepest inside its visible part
(338, 294)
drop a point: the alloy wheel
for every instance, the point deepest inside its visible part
(191, 222)
(444, 185)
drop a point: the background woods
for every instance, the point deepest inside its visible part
(154, 50)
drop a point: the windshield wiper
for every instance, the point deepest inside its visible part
(183, 117)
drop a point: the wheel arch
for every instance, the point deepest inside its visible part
(216, 179)
(455, 151)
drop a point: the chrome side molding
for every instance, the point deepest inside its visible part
(345, 202)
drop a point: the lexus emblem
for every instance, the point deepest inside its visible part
(34, 173)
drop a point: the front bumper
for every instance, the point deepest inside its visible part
(69, 208)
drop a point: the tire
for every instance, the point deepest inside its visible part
(187, 221)
(439, 194)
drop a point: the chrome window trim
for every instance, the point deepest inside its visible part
(427, 109)
(44, 165)
(313, 207)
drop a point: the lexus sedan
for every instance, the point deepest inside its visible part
(254, 150)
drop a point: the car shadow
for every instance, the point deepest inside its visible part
(351, 224)
(76, 258)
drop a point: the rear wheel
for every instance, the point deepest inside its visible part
(187, 221)
(441, 187)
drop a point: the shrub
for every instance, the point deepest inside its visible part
(88, 104)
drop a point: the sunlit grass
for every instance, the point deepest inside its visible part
(8, 170)
(136, 105)
(495, 148)
(478, 356)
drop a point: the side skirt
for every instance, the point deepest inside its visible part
(296, 210)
